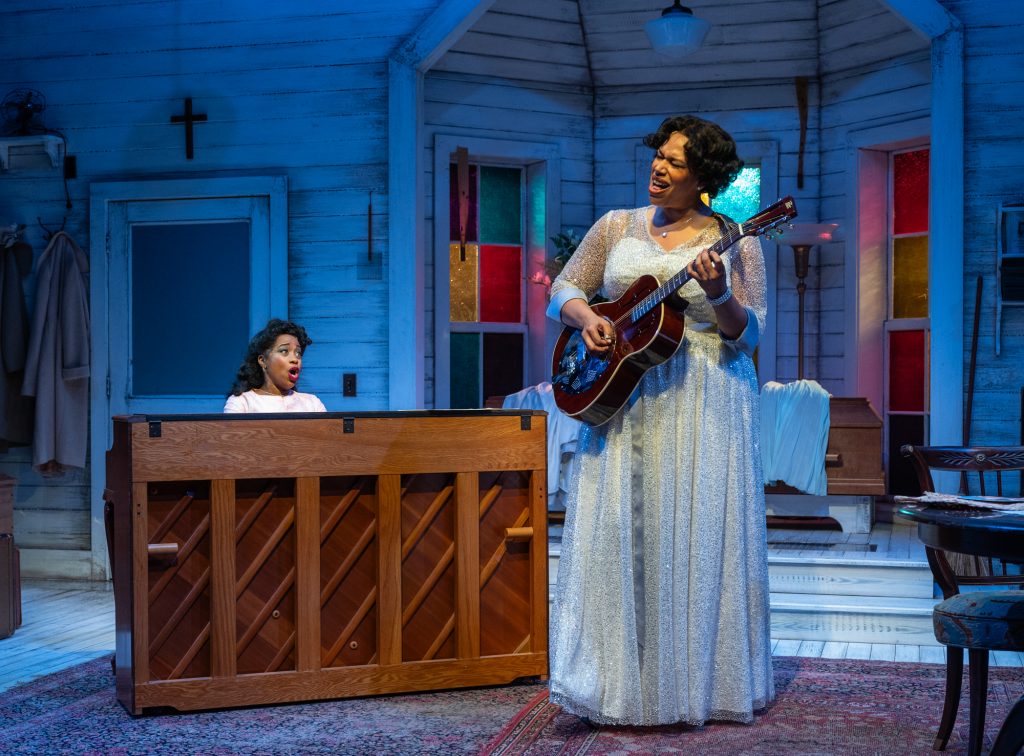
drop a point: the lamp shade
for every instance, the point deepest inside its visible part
(677, 33)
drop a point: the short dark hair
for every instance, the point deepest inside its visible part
(250, 374)
(710, 151)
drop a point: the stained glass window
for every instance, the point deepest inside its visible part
(501, 271)
(486, 280)
(910, 277)
(906, 381)
(906, 371)
(484, 365)
(910, 192)
(742, 198)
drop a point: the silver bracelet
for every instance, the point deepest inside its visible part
(725, 297)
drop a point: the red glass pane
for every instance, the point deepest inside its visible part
(501, 276)
(453, 201)
(906, 371)
(910, 192)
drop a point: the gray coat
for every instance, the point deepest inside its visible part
(57, 365)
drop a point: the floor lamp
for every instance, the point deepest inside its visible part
(801, 237)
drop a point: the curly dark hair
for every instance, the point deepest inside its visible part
(710, 151)
(250, 374)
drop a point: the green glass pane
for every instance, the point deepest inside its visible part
(464, 370)
(501, 202)
(910, 277)
(742, 198)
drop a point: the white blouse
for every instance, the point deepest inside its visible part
(293, 401)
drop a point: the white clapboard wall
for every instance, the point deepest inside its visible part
(519, 74)
(297, 88)
(875, 72)
(994, 173)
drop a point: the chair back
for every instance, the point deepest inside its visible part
(985, 470)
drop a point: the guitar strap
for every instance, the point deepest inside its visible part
(724, 222)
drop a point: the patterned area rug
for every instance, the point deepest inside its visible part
(75, 712)
(823, 707)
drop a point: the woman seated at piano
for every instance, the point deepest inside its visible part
(268, 376)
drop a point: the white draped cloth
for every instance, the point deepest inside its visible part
(563, 432)
(661, 610)
(794, 435)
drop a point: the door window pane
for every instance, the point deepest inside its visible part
(903, 429)
(501, 273)
(189, 308)
(910, 277)
(906, 371)
(503, 364)
(464, 366)
(453, 197)
(462, 284)
(910, 192)
(501, 218)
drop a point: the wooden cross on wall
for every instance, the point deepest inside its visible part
(188, 120)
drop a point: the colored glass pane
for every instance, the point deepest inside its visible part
(903, 429)
(453, 199)
(910, 277)
(742, 198)
(464, 370)
(503, 363)
(501, 273)
(501, 202)
(462, 288)
(910, 192)
(906, 371)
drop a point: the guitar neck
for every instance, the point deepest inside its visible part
(732, 235)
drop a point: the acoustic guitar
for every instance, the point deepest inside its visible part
(594, 387)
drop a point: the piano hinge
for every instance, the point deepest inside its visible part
(154, 429)
(348, 425)
(108, 385)
(524, 422)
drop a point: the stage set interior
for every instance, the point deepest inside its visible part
(221, 163)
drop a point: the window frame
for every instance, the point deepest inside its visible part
(540, 164)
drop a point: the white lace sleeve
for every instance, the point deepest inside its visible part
(582, 276)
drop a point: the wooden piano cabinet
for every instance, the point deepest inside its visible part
(853, 459)
(271, 558)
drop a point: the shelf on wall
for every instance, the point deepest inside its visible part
(30, 152)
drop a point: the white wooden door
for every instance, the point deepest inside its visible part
(183, 272)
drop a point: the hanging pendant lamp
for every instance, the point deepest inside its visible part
(678, 32)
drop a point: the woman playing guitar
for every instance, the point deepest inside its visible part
(661, 610)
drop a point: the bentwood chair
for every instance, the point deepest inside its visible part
(979, 621)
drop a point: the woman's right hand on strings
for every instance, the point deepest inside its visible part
(598, 333)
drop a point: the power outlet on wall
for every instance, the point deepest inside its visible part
(348, 384)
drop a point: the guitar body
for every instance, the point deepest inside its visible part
(594, 388)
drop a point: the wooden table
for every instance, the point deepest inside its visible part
(983, 533)
(270, 558)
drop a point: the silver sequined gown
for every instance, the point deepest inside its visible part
(661, 610)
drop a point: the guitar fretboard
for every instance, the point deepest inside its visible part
(733, 234)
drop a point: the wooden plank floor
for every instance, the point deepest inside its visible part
(886, 541)
(64, 624)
